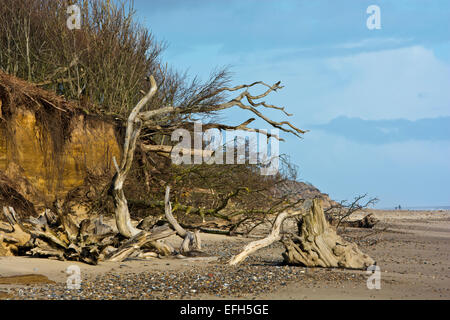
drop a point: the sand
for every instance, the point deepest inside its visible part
(413, 255)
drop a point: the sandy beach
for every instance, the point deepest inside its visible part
(412, 249)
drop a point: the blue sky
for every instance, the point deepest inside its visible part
(376, 102)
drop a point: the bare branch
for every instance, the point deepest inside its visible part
(274, 234)
(191, 240)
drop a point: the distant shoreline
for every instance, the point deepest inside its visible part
(425, 208)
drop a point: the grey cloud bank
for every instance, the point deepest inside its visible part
(388, 131)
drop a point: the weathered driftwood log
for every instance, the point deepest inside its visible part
(275, 234)
(369, 221)
(318, 245)
(69, 226)
(137, 242)
(18, 235)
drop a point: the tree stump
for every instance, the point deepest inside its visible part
(318, 245)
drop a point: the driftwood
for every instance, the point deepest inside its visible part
(318, 245)
(369, 221)
(18, 236)
(274, 234)
(90, 242)
(135, 243)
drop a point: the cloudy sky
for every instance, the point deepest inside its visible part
(376, 102)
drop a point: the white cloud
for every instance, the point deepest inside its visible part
(373, 42)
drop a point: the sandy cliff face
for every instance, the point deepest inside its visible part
(48, 147)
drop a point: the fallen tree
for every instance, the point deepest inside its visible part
(339, 214)
(58, 236)
(316, 245)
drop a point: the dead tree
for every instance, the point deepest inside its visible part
(191, 240)
(133, 131)
(316, 245)
(60, 237)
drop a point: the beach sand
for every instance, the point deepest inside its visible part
(413, 255)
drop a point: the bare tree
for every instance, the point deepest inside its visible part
(340, 213)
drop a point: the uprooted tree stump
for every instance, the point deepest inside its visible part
(318, 244)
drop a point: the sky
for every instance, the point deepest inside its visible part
(376, 102)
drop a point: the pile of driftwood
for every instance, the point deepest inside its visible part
(58, 236)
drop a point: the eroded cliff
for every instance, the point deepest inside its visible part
(48, 146)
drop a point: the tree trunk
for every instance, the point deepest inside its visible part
(134, 126)
(318, 245)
